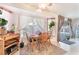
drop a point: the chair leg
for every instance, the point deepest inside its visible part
(46, 46)
(38, 45)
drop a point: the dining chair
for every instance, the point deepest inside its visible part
(32, 42)
(44, 38)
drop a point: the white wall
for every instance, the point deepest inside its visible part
(75, 22)
(75, 25)
(8, 16)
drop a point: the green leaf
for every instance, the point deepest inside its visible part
(52, 23)
(3, 22)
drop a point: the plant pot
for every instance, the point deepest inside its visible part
(2, 31)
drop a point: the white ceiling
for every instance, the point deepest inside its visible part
(66, 9)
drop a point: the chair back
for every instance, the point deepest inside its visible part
(44, 37)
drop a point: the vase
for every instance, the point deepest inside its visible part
(2, 30)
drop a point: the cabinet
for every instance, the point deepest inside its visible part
(9, 44)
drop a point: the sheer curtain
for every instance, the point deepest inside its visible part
(24, 21)
(40, 24)
(31, 26)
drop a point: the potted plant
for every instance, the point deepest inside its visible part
(52, 23)
(3, 22)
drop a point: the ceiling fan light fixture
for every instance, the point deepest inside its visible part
(50, 4)
(42, 6)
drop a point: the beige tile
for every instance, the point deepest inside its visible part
(45, 49)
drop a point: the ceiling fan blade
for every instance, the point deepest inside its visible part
(50, 4)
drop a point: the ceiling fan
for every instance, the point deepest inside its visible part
(44, 7)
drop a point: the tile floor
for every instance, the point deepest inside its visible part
(45, 49)
(72, 49)
(51, 49)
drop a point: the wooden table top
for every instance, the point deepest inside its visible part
(8, 36)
